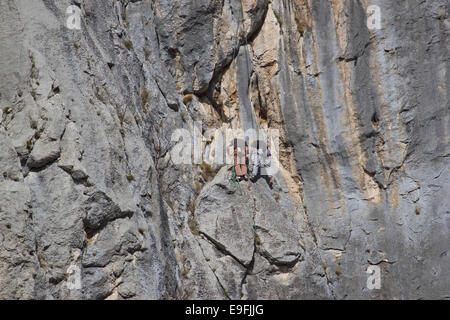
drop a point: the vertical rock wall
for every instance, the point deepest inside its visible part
(89, 191)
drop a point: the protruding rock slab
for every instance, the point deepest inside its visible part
(223, 216)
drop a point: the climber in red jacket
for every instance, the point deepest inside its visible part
(240, 159)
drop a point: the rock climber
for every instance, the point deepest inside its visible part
(240, 159)
(261, 161)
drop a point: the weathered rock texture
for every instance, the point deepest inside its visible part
(88, 186)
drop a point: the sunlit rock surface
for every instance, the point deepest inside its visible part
(92, 205)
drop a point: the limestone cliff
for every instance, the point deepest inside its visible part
(89, 190)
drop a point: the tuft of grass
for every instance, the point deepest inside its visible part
(188, 98)
(197, 190)
(207, 172)
(121, 118)
(128, 44)
(277, 197)
(185, 273)
(225, 292)
(192, 205)
(257, 240)
(40, 258)
(130, 178)
(29, 145)
(147, 54)
(144, 97)
(302, 246)
(193, 227)
(170, 204)
(338, 272)
(314, 237)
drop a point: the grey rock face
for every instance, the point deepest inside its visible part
(92, 205)
(225, 218)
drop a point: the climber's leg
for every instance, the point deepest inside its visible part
(255, 170)
(267, 171)
(244, 169)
